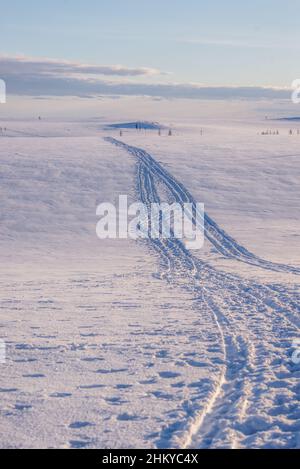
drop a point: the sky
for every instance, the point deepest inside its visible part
(171, 48)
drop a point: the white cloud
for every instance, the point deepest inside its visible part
(32, 77)
(49, 67)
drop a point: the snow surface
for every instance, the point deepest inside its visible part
(117, 343)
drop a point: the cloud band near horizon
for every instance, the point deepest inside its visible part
(47, 77)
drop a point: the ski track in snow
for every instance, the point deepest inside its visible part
(222, 242)
(255, 402)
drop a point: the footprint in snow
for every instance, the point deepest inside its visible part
(181, 384)
(35, 376)
(162, 354)
(92, 359)
(22, 407)
(26, 360)
(92, 386)
(115, 401)
(149, 381)
(169, 375)
(78, 425)
(127, 417)
(78, 444)
(197, 364)
(8, 390)
(106, 372)
(162, 395)
(123, 386)
(89, 335)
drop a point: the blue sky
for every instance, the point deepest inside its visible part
(214, 43)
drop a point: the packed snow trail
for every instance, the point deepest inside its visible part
(221, 241)
(256, 325)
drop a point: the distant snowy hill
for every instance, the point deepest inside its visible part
(290, 119)
(137, 125)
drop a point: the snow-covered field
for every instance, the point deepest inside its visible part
(120, 344)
